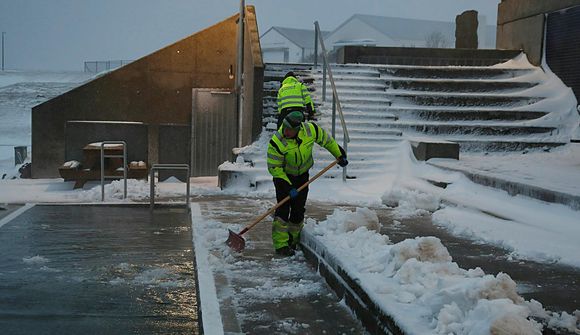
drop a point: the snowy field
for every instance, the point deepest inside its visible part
(415, 279)
(19, 92)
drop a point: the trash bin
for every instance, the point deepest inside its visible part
(20, 154)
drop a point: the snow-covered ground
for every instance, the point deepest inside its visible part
(19, 92)
(558, 170)
(415, 278)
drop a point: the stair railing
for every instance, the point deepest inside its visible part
(335, 100)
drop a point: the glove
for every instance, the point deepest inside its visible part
(342, 161)
(293, 193)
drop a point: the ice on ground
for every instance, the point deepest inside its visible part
(34, 260)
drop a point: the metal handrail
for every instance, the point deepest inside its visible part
(103, 156)
(335, 100)
(166, 167)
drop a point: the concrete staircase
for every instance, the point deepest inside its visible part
(481, 108)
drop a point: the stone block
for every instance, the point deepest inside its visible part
(466, 30)
(230, 178)
(425, 149)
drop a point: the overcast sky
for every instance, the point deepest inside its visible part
(62, 34)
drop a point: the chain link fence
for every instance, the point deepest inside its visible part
(100, 66)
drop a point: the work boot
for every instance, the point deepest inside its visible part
(294, 230)
(285, 251)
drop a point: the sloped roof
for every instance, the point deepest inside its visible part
(303, 38)
(402, 28)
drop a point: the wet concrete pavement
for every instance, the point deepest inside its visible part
(117, 269)
(261, 293)
(555, 286)
(97, 270)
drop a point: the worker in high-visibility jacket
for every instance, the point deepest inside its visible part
(289, 159)
(293, 96)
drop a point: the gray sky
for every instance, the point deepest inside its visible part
(62, 34)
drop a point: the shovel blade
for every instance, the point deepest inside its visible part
(236, 241)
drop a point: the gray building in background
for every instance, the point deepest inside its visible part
(288, 45)
(385, 31)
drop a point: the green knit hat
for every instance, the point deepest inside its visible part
(293, 120)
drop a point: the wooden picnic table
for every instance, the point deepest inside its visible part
(90, 167)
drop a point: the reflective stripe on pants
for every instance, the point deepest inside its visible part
(279, 233)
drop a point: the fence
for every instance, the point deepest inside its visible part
(100, 66)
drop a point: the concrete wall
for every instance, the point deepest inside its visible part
(154, 89)
(422, 56)
(174, 148)
(520, 24)
(253, 80)
(80, 133)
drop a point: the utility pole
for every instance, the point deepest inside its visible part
(3, 33)
(240, 71)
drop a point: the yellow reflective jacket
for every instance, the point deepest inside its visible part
(293, 93)
(293, 156)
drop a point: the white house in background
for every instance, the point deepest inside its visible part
(287, 45)
(371, 30)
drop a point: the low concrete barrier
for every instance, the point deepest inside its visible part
(517, 188)
(373, 318)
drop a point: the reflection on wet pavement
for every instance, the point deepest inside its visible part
(260, 293)
(97, 269)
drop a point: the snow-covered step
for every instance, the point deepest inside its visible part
(464, 100)
(346, 79)
(449, 114)
(345, 71)
(472, 129)
(366, 85)
(378, 116)
(365, 138)
(363, 100)
(373, 147)
(369, 131)
(460, 86)
(450, 72)
(352, 107)
(347, 95)
(502, 144)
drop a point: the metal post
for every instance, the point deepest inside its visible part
(151, 188)
(315, 47)
(103, 156)
(324, 79)
(345, 147)
(333, 116)
(156, 167)
(3, 33)
(240, 71)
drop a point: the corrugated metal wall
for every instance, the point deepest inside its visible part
(563, 46)
(213, 130)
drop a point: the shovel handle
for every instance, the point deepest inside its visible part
(283, 201)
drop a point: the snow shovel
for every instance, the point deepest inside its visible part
(237, 242)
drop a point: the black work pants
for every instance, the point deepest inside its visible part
(293, 210)
(287, 111)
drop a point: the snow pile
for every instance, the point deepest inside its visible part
(410, 203)
(417, 283)
(136, 190)
(71, 164)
